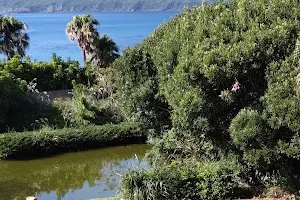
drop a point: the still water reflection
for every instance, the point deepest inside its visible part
(71, 176)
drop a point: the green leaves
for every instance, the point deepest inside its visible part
(55, 75)
(83, 29)
(211, 180)
(13, 37)
(49, 141)
(251, 135)
(247, 128)
(138, 90)
(229, 73)
(282, 101)
(104, 52)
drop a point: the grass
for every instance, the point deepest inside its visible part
(47, 141)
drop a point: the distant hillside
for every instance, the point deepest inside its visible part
(8, 6)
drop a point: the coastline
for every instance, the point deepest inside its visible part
(87, 11)
(52, 6)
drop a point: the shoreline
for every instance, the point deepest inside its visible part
(86, 11)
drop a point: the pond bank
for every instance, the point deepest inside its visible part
(47, 141)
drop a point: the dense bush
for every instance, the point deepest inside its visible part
(88, 110)
(50, 141)
(138, 90)
(55, 75)
(19, 109)
(229, 75)
(213, 180)
(84, 108)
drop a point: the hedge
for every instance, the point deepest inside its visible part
(49, 141)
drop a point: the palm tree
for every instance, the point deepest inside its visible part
(104, 52)
(83, 29)
(13, 37)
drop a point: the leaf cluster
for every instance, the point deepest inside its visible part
(229, 75)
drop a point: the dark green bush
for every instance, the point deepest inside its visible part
(192, 63)
(207, 181)
(50, 141)
(229, 75)
(138, 90)
(20, 110)
(283, 97)
(251, 135)
(269, 138)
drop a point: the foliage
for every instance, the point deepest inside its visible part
(282, 97)
(85, 109)
(269, 138)
(136, 81)
(251, 135)
(228, 73)
(100, 51)
(104, 52)
(212, 180)
(50, 141)
(83, 29)
(13, 37)
(55, 75)
(20, 109)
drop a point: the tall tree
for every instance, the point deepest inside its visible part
(13, 37)
(105, 51)
(83, 29)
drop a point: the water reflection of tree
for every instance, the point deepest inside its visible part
(112, 171)
(64, 173)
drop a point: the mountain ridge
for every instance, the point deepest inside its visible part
(20, 6)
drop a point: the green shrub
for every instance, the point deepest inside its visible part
(103, 112)
(20, 110)
(282, 97)
(85, 109)
(192, 62)
(251, 135)
(212, 180)
(228, 74)
(50, 141)
(138, 90)
(55, 75)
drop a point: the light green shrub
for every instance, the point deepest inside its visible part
(50, 141)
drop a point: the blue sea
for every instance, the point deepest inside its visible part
(47, 31)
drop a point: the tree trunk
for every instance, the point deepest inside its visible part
(9, 54)
(84, 57)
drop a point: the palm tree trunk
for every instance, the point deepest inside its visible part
(84, 64)
(10, 54)
(84, 57)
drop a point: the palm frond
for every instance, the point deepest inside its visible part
(13, 37)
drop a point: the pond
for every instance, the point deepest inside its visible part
(70, 176)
